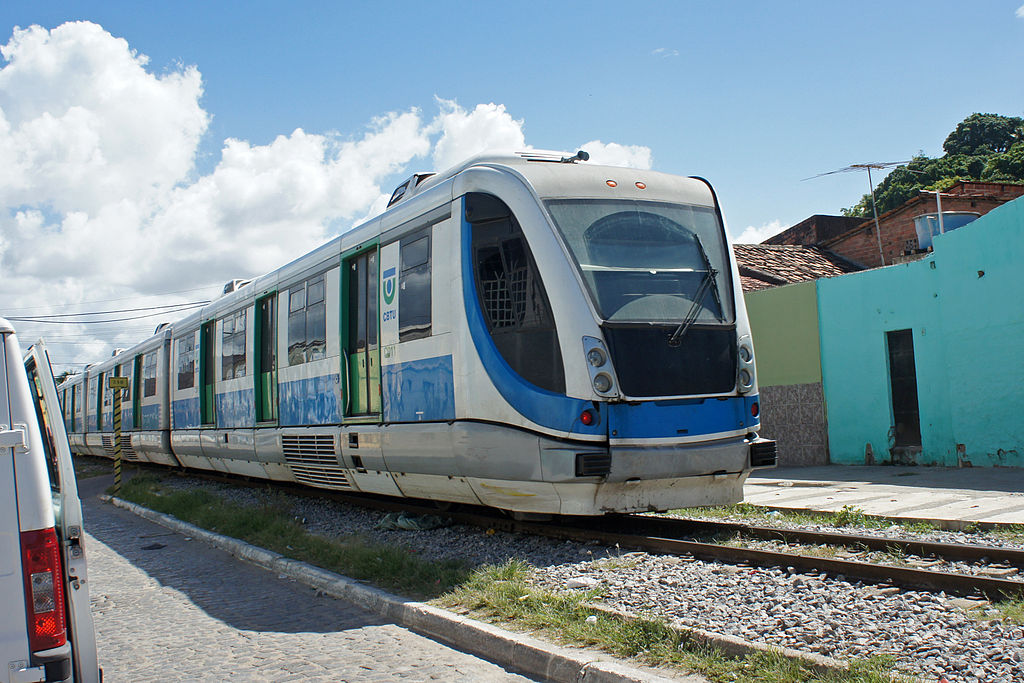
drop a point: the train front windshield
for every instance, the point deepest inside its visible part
(649, 262)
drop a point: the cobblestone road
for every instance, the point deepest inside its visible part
(170, 609)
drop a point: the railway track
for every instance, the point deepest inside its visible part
(675, 536)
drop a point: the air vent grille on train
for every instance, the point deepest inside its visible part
(127, 452)
(313, 461)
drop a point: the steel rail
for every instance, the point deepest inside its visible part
(675, 527)
(580, 529)
(925, 579)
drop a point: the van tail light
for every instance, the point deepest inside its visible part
(44, 589)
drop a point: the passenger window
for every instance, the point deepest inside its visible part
(124, 370)
(316, 321)
(148, 374)
(307, 322)
(232, 344)
(512, 296)
(414, 318)
(187, 362)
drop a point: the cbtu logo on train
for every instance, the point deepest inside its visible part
(389, 285)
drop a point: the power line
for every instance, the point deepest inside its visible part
(101, 322)
(871, 188)
(106, 301)
(43, 318)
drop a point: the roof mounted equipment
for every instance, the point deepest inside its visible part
(579, 156)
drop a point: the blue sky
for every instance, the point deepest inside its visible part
(753, 96)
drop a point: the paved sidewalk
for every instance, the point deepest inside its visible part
(167, 608)
(182, 606)
(949, 497)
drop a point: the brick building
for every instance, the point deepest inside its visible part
(855, 240)
(816, 229)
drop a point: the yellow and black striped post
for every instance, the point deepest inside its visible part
(117, 385)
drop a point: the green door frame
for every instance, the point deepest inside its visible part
(374, 417)
(99, 403)
(136, 393)
(207, 407)
(265, 394)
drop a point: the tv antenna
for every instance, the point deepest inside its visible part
(871, 187)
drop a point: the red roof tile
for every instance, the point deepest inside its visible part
(770, 265)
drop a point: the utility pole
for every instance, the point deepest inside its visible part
(871, 189)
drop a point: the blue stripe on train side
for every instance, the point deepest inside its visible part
(312, 401)
(542, 407)
(681, 418)
(419, 390)
(151, 416)
(235, 409)
(185, 412)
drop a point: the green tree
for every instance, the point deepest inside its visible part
(983, 147)
(1008, 166)
(983, 134)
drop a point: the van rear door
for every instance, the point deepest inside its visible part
(67, 510)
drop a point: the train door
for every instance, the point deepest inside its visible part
(99, 401)
(136, 394)
(207, 374)
(266, 358)
(362, 354)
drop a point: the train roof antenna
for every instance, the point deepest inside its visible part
(579, 156)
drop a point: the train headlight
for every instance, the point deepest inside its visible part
(745, 353)
(745, 371)
(599, 366)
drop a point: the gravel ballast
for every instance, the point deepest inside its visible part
(927, 634)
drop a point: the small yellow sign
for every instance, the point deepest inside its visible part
(117, 382)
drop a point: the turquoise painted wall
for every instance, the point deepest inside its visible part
(964, 305)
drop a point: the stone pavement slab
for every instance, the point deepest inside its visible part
(948, 497)
(167, 608)
(240, 620)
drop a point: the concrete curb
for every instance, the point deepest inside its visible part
(516, 651)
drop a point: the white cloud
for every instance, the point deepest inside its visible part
(665, 52)
(82, 123)
(99, 198)
(756, 235)
(1020, 12)
(463, 134)
(614, 154)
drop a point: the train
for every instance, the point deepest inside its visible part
(525, 331)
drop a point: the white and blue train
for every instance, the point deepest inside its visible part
(522, 331)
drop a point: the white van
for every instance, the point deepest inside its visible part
(46, 631)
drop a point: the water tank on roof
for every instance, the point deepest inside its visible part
(927, 225)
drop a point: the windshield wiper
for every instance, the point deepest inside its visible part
(707, 282)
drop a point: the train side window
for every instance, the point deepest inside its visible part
(316, 320)
(124, 370)
(512, 296)
(414, 319)
(187, 362)
(148, 374)
(232, 343)
(297, 325)
(307, 322)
